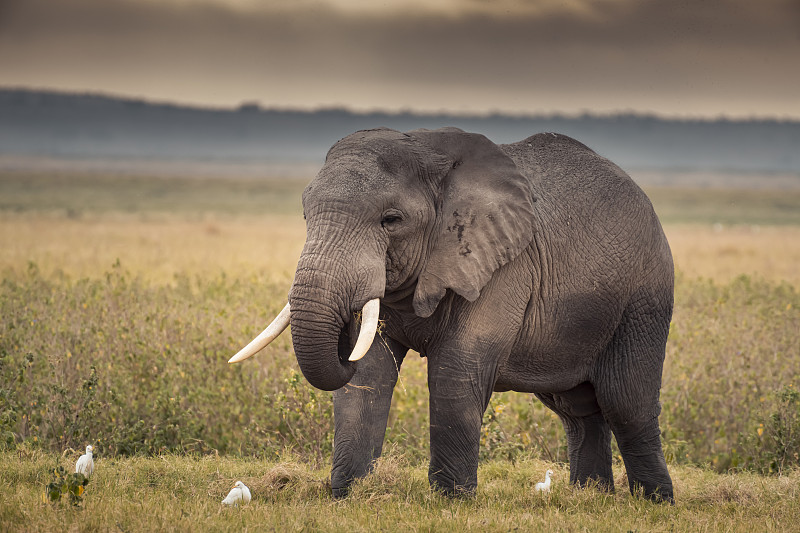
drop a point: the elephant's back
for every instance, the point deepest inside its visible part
(598, 227)
(576, 188)
(558, 165)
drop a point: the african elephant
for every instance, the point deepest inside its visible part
(537, 266)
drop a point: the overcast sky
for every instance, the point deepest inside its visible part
(696, 58)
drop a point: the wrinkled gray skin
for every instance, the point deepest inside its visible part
(537, 266)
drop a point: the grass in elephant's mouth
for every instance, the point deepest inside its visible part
(183, 493)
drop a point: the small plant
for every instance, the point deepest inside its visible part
(70, 485)
(495, 441)
(306, 417)
(774, 446)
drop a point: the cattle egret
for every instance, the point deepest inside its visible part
(239, 493)
(544, 486)
(85, 464)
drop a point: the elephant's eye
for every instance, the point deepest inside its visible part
(391, 219)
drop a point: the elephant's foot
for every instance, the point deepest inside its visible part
(661, 495)
(602, 483)
(654, 493)
(589, 441)
(644, 460)
(447, 486)
(340, 493)
(344, 474)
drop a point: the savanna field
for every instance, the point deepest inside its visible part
(122, 299)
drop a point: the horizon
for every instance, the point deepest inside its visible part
(729, 59)
(77, 125)
(253, 106)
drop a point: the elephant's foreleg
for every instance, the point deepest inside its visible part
(459, 393)
(361, 409)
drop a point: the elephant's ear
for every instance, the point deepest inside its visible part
(485, 212)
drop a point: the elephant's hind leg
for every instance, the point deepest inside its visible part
(640, 446)
(588, 436)
(628, 384)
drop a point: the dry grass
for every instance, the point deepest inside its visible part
(156, 247)
(721, 253)
(169, 493)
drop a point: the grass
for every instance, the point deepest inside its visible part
(75, 195)
(151, 358)
(715, 205)
(180, 493)
(723, 253)
(154, 248)
(122, 299)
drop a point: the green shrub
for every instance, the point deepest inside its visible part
(306, 417)
(516, 425)
(70, 485)
(773, 447)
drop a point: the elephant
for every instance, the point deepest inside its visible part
(537, 266)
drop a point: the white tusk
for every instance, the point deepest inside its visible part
(277, 326)
(369, 326)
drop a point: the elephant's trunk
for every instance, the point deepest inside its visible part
(337, 275)
(322, 312)
(316, 330)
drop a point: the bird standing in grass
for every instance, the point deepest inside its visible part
(545, 485)
(239, 493)
(85, 464)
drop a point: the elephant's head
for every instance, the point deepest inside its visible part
(400, 217)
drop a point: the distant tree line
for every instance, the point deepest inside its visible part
(90, 126)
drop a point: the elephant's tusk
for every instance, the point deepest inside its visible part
(277, 326)
(369, 326)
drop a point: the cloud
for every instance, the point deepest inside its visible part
(607, 22)
(448, 54)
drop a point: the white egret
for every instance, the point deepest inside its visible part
(544, 486)
(239, 493)
(85, 464)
